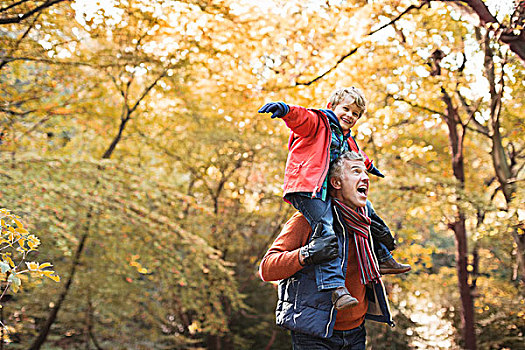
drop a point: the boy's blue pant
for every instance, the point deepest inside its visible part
(328, 275)
(382, 252)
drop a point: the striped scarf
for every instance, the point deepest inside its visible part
(359, 224)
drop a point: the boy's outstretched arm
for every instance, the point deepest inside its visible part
(302, 121)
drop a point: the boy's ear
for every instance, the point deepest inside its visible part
(335, 182)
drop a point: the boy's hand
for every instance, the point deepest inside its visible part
(278, 109)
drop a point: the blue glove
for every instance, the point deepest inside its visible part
(278, 109)
(375, 171)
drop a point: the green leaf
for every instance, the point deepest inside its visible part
(13, 278)
(4, 266)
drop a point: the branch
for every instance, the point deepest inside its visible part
(516, 42)
(17, 113)
(148, 89)
(13, 5)
(114, 80)
(3, 62)
(354, 50)
(412, 104)
(18, 18)
(479, 128)
(65, 63)
(395, 19)
(479, 7)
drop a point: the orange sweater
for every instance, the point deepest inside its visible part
(282, 261)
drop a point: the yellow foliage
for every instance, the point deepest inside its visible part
(20, 242)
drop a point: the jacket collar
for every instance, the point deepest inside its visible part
(332, 118)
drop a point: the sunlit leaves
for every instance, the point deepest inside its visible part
(16, 243)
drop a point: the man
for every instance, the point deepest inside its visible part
(310, 315)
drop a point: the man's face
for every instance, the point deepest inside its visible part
(352, 188)
(347, 113)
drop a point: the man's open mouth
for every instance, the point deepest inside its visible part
(362, 189)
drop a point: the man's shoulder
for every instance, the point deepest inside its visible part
(297, 219)
(298, 227)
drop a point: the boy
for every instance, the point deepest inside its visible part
(317, 138)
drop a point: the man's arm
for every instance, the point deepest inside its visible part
(282, 259)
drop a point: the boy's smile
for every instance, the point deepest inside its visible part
(348, 113)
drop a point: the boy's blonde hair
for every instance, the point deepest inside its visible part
(344, 92)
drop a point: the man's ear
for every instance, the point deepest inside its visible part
(335, 182)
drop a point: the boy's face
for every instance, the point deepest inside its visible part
(347, 113)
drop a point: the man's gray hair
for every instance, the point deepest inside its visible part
(338, 166)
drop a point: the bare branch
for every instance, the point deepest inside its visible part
(398, 17)
(147, 90)
(20, 18)
(57, 62)
(329, 70)
(354, 50)
(478, 127)
(515, 41)
(13, 5)
(415, 105)
(3, 62)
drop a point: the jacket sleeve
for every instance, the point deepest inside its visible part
(302, 121)
(282, 259)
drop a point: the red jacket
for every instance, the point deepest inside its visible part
(309, 150)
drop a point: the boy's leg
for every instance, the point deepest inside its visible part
(382, 253)
(387, 263)
(384, 242)
(328, 275)
(379, 229)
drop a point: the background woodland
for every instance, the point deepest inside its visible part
(130, 144)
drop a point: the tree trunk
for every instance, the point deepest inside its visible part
(456, 133)
(117, 138)
(501, 161)
(467, 302)
(44, 332)
(520, 243)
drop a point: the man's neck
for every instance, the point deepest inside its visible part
(335, 195)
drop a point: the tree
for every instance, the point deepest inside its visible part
(509, 32)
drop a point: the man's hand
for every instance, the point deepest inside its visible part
(278, 109)
(320, 249)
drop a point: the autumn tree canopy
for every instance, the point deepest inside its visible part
(132, 147)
